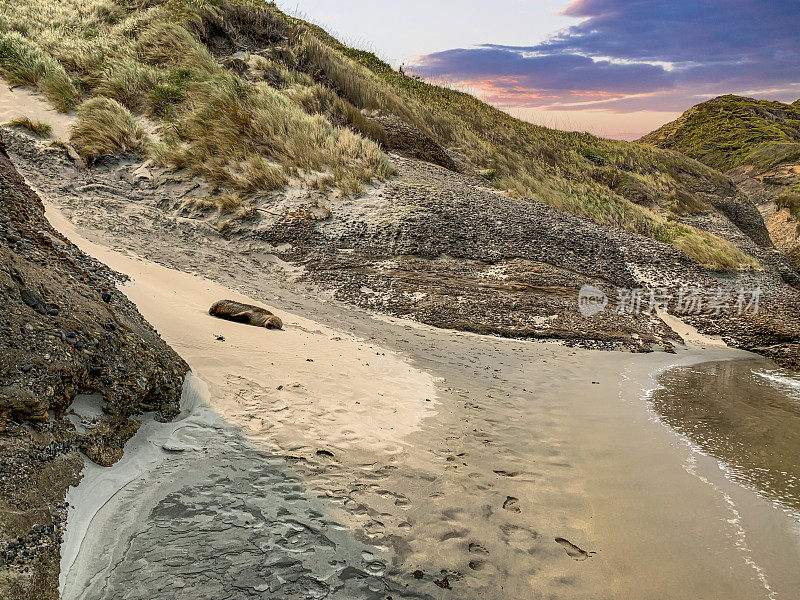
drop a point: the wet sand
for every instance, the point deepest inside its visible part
(754, 432)
(366, 449)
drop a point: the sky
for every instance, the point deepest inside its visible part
(617, 68)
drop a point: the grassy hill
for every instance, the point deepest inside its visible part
(731, 131)
(754, 139)
(252, 99)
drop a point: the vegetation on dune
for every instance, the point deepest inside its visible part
(790, 200)
(629, 186)
(148, 59)
(251, 98)
(37, 127)
(731, 131)
(105, 127)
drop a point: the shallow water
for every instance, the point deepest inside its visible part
(746, 414)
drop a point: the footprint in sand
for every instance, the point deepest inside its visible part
(572, 550)
(512, 504)
(477, 548)
(506, 473)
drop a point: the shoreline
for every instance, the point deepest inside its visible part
(568, 491)
(99, 485)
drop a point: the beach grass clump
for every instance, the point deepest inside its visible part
(790, 200)
(318, 99)
(23, 62)
(714, 253)
(359, 86)
(105, 126)
(253, 138)
(225, 202)
(37, 127)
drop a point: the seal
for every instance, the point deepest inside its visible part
(245, 313)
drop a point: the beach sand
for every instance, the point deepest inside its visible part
(20, 102)
(353, 455)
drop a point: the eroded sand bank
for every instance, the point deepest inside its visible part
(339, 465)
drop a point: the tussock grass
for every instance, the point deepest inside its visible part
(37, 127)
(148, 57)
(253, 138)
(355, 83)
(105, 126)
(24, 63)
(790, 200)
(226, 202)
(318, 99)
(715, 253)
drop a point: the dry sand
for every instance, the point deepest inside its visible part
(20, 102)
(498, 468)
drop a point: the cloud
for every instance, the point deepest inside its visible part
(638, 55)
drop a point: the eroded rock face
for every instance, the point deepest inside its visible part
(65, 330)
(411, 142)
(769, 191)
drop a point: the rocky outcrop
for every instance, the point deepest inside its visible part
(439, 247)
(442, 248)
(65, 330)
(411, 142)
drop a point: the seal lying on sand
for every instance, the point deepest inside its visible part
(245, 313)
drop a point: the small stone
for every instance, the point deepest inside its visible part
(26, 368)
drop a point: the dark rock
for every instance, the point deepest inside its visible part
(32, 299)
(410, 141)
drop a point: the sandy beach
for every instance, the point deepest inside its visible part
(392, 450)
